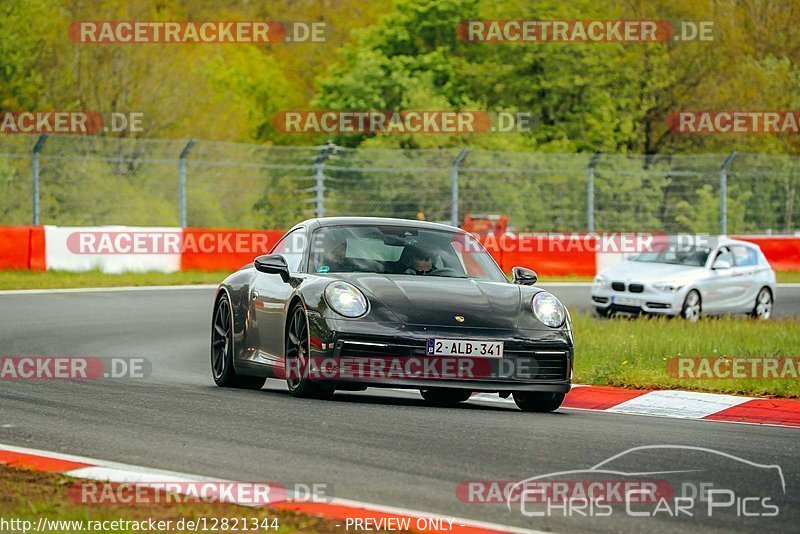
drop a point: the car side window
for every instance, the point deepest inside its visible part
(725, 255)
(744, 256)
(291, 247)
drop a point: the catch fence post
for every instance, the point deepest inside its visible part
(590, 191)
(454, 186)
(319, 177)
(35, 168)
(723, 193)
(182, 183)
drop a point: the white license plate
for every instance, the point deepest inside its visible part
(625, 301)
(464, 347)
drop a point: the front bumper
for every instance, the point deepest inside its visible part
(533, 360)
(649, 300)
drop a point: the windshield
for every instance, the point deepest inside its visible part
(401, 250)
(675, 254)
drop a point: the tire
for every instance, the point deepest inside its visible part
(298, 347)
(763, 307)
(692, 306)
(445, 397)
(222, 350)
(538, 402)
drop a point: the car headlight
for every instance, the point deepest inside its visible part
(548, 309)
(345, 299)
(599, 281)
(667, 287)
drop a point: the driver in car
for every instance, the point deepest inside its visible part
(334, 257)
(421, 261)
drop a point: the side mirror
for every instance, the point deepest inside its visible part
(273, 264)
(721, 264)
(523, 276)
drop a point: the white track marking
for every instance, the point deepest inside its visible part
(681, 404)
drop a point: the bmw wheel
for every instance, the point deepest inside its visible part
(763, 307)
(222, 350)
(692, 307)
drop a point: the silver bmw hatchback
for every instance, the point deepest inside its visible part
(719, 276)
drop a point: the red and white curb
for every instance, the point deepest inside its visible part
(679, 404)
(337, 509)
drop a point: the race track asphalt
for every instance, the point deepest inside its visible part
(384, 447)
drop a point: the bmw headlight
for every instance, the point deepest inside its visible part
(667, 287)
(346, 299)
(548, 309)
(599, 281)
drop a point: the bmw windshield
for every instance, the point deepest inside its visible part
(401, 250)
(675, 254)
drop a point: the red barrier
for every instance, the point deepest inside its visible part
(15, 244)
(37, 258)
(782, 252)
(545, 255)
(212, 249)
(22, 247)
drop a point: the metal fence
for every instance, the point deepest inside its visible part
(73, 180)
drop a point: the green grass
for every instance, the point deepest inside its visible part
(29, 495)
(61, 279)
(788, 277)
(633, 353)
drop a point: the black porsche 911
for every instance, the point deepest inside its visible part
(351, 303)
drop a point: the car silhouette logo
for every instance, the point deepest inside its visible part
(460, 318)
